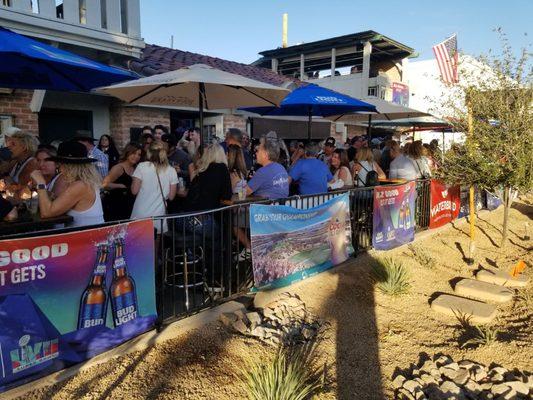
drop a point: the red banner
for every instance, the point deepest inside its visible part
(445, 204)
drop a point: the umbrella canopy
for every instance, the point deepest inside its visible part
(198, 86)
(29, 64)
(313, 100)
(422, 122)
(386, 111)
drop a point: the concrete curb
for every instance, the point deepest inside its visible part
(138, 343)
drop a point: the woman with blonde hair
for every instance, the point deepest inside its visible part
(416, 153)
(364, 163)
(81, 199)
(23, 146)
(154, 182)
(212, 184)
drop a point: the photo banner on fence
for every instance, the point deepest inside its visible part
(394, 215)
(289, 244)
(68, 297)
(445, 204)
(465, 201)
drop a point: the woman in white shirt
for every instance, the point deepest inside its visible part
(340, 167)
(154, 182)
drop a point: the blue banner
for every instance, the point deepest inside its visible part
(394, 216)
(68, 297)
(289, 244)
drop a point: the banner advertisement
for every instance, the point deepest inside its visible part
(394, 215)
(445, 204)
(493, 202)
(289, 244)
(400, 93)
(68, 297)
(465, 201)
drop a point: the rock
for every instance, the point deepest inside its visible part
(254, 318)
(228, 318)
(483, 291)
(453, 365)
(435, 373)
(404, 394)
(412, 386)
(478, 373)
(240, 327)
(498, 370)
(496, 378)
(428, 366)
(415, 372)
(499, 277)
(442, 360)
(461, 376)
(268, 312)
(451, 389)
(260, 332)
(398, 381)
(241, 314)
(449, 373)
(487, 386)
(308, 333)
(500, 389)
(477, 311)
(519, 387)
(428, 379)
(472, 387)
(466, 364)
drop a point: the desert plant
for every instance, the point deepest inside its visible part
(423, 257)
(391, 276)
(289, 376)
(482, 336)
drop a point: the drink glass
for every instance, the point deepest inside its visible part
(242, 192)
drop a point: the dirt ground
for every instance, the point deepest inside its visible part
(370, 335)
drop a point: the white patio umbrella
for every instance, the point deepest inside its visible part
(198, 86)
(386, 111)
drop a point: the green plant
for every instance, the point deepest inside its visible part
(423, 257)
(482, 336)
(391, 276)
(289, 376)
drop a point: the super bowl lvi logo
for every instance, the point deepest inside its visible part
(337, 236)
(29, 355)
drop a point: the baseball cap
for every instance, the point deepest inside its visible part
(330, 141)
(170, 139)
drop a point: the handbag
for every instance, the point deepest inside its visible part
(161, 191)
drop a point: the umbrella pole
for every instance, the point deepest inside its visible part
(443, 146)
(201, 99)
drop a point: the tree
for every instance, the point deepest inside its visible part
(493, 102)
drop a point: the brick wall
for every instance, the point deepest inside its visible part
(123, 118)
(17, 105)
(234, 121)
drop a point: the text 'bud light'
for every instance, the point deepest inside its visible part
(122, 290)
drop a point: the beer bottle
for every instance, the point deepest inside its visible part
(401, 216)
(122, 290)
(407, 216)
(93, 306)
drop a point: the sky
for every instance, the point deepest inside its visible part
(238, 30)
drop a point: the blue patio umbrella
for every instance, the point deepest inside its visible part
(29, 64)
(313, 100)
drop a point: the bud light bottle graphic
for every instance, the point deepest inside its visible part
(407, 216)
(122, 290)
(93, 306)
(401, 216)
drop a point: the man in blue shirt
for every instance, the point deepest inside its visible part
(102, 161)
(311, 174)
(271, 180)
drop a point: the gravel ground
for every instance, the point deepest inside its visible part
(370, 335)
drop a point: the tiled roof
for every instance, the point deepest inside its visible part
(156, 60)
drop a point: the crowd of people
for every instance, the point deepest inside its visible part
(165, 172)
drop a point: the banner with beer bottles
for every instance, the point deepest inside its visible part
(290, 244)
(394, 215)
(445, 204)
(68, 297)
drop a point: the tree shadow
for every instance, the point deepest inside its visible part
(520, 246)
(352, 309)
(492, 263)
(487, 222)
(491, 240)
(525, 209)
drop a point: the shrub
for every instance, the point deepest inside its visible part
(289, 376)
(482, 336)
(391, 277)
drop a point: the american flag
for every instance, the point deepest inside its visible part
(447, 59)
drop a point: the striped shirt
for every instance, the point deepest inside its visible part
(102, 163)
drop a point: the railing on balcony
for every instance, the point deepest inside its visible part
(109, 25)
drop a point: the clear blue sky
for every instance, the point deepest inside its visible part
(237, 30)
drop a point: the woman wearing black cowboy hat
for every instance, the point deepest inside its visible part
(81, 199)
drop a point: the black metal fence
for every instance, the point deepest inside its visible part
(202, 258)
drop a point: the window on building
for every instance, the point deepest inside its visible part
(34, 6)
(373, 91)
(83, 12)
(6, 3)
(124, 16)
(59, 9)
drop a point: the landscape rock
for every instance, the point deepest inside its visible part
(240, 327)
(450, 388)
(228, 318)
(398, 382)
(461, 376)
(254, 318)
(519, 387)
(411, 386)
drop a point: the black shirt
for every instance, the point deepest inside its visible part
(209, 188)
